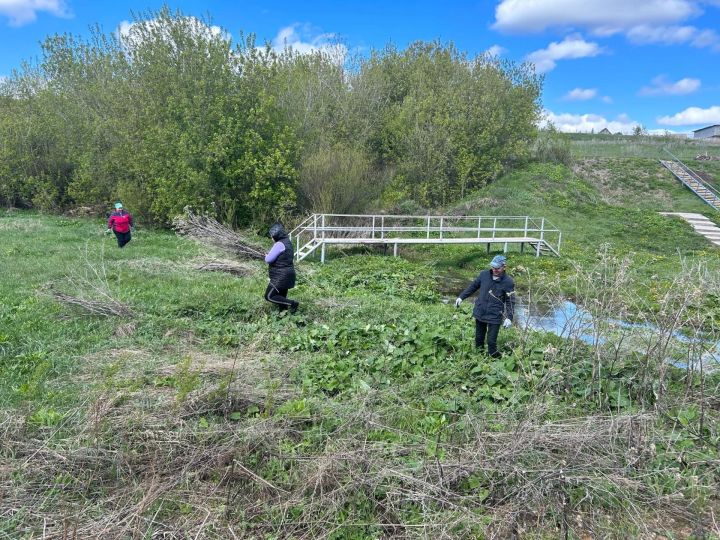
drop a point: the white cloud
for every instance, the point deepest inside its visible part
(601, 17)
(662, 87)
(692, 116)
(570, 48)
(667, 132)
(607, 99)
(643, 22)
(300, 38)
(124, 29)
(496, 50)
(645, 34)
(585, 123)
(673, 35)
(25, 11)
(580, 94)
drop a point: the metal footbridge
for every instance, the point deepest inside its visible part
(319, 231)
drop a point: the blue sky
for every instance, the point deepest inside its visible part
(607, 63)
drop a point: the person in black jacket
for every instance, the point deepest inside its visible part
(494, 306)
(281, 269)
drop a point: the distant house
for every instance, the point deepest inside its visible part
(605, 131)
(710, 132)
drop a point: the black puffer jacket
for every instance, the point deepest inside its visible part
(281, 270)
(496, 299)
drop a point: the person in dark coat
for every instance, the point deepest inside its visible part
(494, 306)
(281, 269)
(120, 222)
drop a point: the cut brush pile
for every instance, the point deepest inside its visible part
(104, 305)
(229, 267)
(207, 230)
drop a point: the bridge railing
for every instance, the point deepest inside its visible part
(380, 228)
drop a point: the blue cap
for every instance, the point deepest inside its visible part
(498, 261)
(118, 205)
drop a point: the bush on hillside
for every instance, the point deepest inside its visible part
(552, 146)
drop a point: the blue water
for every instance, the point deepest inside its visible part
(568, 320)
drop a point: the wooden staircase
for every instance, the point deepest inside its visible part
(692, 180)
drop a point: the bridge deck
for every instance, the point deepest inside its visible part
(479, 240)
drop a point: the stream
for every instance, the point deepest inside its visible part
(568, 320)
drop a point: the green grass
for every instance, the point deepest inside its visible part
(207, 412)
(625, 146)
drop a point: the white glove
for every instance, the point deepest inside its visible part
(458, 301)
(507, 323)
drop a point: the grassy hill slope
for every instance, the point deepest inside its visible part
(206, 414)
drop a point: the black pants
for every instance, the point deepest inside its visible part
(279, 297)
(122, 238)
(481, 329)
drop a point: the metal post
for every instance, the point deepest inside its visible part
(428, 227)
(505, 248)
(542, 229)
(441, 227)
(494, 226)
(559, 240)
(322, 253)
(479, 225)
(372, 234)
(526, 227)
(395, 250)
(382, 227)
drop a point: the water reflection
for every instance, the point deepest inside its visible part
(569, 320)
(565, 320)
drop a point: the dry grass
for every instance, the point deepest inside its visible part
(144, 465)
(596, 172)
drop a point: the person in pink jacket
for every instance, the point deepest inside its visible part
(120, 222)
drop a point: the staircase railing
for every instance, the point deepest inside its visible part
(309, 224)
(697, 178)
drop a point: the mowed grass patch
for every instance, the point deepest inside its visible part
(153, 275)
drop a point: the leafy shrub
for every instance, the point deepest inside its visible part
(552, 146)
